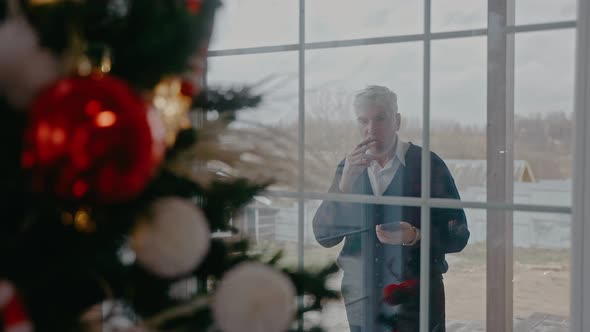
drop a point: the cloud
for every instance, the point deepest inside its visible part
(544, 72)
(544, 60)
(450, 15)
(539, 11)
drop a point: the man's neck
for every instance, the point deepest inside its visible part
(387, 156)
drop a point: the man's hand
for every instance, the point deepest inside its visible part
(405, 235)
(354, 164)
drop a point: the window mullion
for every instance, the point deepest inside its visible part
(580, 265)
(500, 160)
(425, 176)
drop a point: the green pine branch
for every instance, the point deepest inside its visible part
(226, 101)
(147, 39)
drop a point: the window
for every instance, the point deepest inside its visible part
(487, 85)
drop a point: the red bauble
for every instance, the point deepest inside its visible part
(187, 88)
(194, 6)
(89, 138)
(394, 294)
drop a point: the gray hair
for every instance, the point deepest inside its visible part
(376, 95)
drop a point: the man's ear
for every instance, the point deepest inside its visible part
(398, 121)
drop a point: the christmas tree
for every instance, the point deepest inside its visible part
(116, 207)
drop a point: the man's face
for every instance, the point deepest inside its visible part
(379, 123)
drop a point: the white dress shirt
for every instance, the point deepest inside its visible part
(381, 177)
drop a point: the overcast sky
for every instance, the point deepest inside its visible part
(544, 60)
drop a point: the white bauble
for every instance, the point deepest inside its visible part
(254, 297)
(25, 67)
(174, 239)
(6, 292)
(110, 316)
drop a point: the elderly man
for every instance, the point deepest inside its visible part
(382, 242)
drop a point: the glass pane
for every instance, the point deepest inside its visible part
(378, 273)
(250, 23)
(465, 282)
(270, 223)
(350, 19)
(449, 15)
(543, 124)
(270, 129)
(333, 77)
(333, 317)
(539, 11)
(458, 112)
(272, 75)
(541, 271)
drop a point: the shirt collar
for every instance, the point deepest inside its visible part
(400, 154)
(400, 151)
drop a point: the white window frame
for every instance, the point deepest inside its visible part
(580, 271)
(499, 211)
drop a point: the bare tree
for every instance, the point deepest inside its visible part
(330, 132)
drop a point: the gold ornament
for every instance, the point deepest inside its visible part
(173, 107)
(106, 63)
(85, 67)
(77, 58)
(80, 219)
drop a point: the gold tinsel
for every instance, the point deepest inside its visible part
(256, 152)
(81, 219)
(172, 106)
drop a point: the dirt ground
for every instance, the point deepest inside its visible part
(541, 284)
(537, 288)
